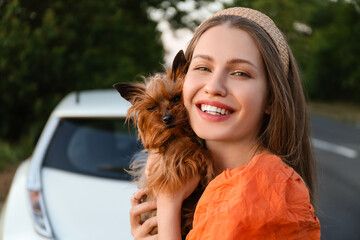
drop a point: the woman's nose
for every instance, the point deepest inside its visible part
(216, 85)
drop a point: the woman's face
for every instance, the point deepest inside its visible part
(225, 89)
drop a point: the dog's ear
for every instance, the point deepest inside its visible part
(130, 92)
(178, 64)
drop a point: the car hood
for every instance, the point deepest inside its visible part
(86, 207)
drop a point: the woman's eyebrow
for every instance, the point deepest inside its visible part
(240, 60)
(206, 57)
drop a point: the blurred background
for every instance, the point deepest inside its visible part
(50, 48)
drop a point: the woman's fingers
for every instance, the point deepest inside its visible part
(154, 237)
(137, 208)
(142, 231)
(147, 227)
(136, 198)
(141, 208)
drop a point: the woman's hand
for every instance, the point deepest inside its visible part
(169, 210)
(168, 216)
(138, 230)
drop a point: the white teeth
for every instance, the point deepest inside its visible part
(214, 110)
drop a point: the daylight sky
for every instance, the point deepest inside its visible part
(174, 41)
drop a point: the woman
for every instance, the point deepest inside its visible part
(244, 97)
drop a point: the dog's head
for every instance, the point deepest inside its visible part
(157, 105)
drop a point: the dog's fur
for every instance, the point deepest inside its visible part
(163, 125)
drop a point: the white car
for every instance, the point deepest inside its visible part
(75, 185)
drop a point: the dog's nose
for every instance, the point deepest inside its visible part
(168, 119)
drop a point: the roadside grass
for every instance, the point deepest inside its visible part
(344, 112)
(6, 177)
(11, 154)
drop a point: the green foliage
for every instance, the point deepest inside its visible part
(11, 154)
(50, 48)
(333, 70)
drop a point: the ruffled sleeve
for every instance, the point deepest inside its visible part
(264, 200)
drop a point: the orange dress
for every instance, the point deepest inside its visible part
(265, 199)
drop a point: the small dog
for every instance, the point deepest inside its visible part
(163, 125)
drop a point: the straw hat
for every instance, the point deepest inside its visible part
(265, 23)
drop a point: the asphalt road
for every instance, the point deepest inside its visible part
(337, 150)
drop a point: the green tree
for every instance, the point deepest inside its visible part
(50, 48)
(333, 71)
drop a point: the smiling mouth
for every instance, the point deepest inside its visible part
(214, 110)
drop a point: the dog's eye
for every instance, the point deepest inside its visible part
(151, 109)
(176, 98)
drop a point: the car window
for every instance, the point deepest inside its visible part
(95, 146)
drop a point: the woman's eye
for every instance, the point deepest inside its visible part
(241, 74)
(202, 69)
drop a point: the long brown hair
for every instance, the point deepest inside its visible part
(286, 131)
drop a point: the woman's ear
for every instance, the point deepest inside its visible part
(268, 108)
(267, 111)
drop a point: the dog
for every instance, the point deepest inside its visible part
(163, 126)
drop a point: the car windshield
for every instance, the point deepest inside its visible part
(95, 146)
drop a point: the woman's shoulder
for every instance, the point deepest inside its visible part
(269, 166)
(266, 196)
(269, 172)
(266, 180)
(263, 168)
(272, 167)
(266, 175)
(268, 162)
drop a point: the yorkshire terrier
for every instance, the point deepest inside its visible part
(163, 125)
